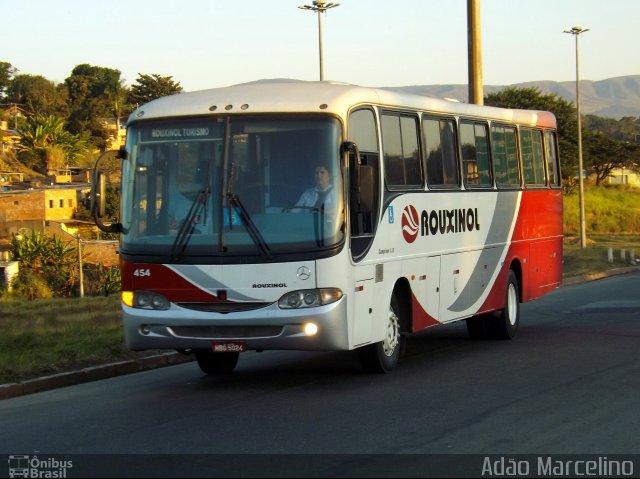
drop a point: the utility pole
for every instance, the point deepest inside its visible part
(474, 40)
(80, 273)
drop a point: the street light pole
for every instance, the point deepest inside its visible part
(320, 6)
(576, 31)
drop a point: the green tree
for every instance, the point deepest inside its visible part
(625, 129)
(91, 91)
(7, 71)
(38, 95)
(45, 144)
(150, 87)
(603, 155)
(117, 97)
(565, 112)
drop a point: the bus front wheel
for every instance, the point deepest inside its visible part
(383, 356)
(217, 363)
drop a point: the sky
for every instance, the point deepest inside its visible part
(213, 43)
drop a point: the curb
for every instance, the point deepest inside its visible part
(604, 274)
(96, 373)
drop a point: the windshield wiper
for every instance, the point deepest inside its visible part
(252, 229)
(199, 206)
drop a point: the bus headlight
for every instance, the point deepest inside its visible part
(145, 300)
(309, 298)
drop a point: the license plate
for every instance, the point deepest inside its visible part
(228, 346)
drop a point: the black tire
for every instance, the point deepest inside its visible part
(217, 363)
(383, 357)
(505, 324)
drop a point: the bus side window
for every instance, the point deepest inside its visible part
(363, 132)
(505, 156)
(401, 151)
(552, 158)
(441, 152)
(532, 157)
(476, 166)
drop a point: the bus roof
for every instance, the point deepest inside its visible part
(320, 97)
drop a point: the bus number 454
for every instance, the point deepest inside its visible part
(141, 272)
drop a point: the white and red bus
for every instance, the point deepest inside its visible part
(437, 211)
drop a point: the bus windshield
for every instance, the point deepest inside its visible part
(232, 186)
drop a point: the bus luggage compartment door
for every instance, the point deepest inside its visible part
(363, 307)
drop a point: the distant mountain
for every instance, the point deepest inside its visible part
(613, 97)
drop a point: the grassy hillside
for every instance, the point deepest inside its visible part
(608, 211)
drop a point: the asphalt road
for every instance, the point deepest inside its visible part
(567, 384)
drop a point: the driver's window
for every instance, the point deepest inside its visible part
(364, 133)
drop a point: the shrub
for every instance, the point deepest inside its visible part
(30, 285)
(50, 259)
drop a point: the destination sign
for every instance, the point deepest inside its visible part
(182, 132)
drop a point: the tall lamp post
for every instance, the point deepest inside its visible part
(576, 31)
(319, 6)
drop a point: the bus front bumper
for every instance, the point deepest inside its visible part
(265, 328)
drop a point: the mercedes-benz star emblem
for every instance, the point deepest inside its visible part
(303, 273)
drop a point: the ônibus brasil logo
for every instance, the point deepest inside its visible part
(459, 220)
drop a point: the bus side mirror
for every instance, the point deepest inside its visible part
(99, 194)
(361, 179)
(122, 154)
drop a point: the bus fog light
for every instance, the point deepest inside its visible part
(310, 329)
(144, 329)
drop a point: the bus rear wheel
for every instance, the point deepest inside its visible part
(217, 363)
(505, 325)
(501, 324)
(382, 357)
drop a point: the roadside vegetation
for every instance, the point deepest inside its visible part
(612, 218)
(49, 336)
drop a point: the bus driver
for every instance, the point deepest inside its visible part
(320, 196)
